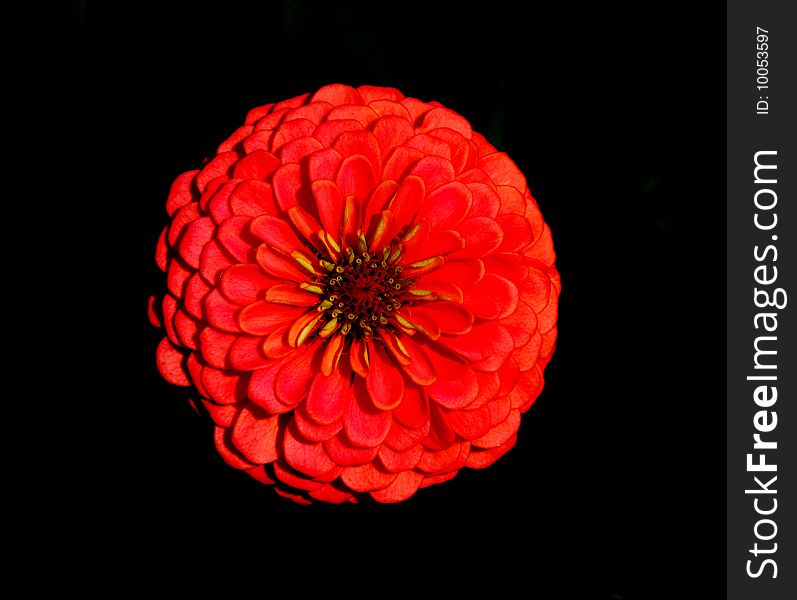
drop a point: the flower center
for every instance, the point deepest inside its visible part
(362, 292)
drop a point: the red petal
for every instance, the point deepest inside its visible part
(328, 131)
(233, 235)
(547, 318)
(246, 354)
(422, 322)
(257, 165)
(170, 362)
(464, 153)
(501, 433)
(291, 295)
(260, 139)
(221, 313)
(255, 435)
(480, 459)
(259, 474)
(440, 243)
(365, 425)
(394, 461)
(512, 201)
(486, 202)
(276, 344)
(401, 438)
(162, 250)
(290, 131)
(352, 143)
(526, 356)
(502, 170)
(253, 198)
(337, 94)
(182, 192)
(216, 199)
(220, 165)
(371, 93)
(400, 162)
(186, 215)
(443, 117)
(391, 131)
(388, 107)
(169, 308)
(234, 141)
(470, 424)
(314, 111)
(261, 318)
(176, 278)
(408, 199)
(276, 233)
(517, 232)
(413, 410)
(297, 150)
(528, 387)
(329, 202)
(366, 478)
(430, 145)
(213, 261)
(356, 178)
(313, 432)
(222, 415)
(330, 493)
(288, 187)
(346, 455)
(494, 297)
(384, 382)
(455, 393)
(308, 458)
(484, 341)
(297, 498)
(435, 479)
(253, 201)
(446, 206)
(449, 317)
(521, 324)
(215, 345)
(154, 312)
(509, 373)
(244, 284)
(509, 265)
(362, 114)
(419, 368)
(482, 236)
(328, 398)
(187, 329)
(221, 436)
(224, 387)
(291, 102)
(434, 170)
(358, 357)
(195, 291)
(403, 486)
(294, 376)
(324, 164)
(261, 389)
(416, 108)
(280, 266)
(254, 115)
(450, 458)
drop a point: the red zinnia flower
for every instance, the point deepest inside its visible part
(362, 291)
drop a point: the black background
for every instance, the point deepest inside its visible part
(616, 117)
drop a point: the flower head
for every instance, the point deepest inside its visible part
(362, 291)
